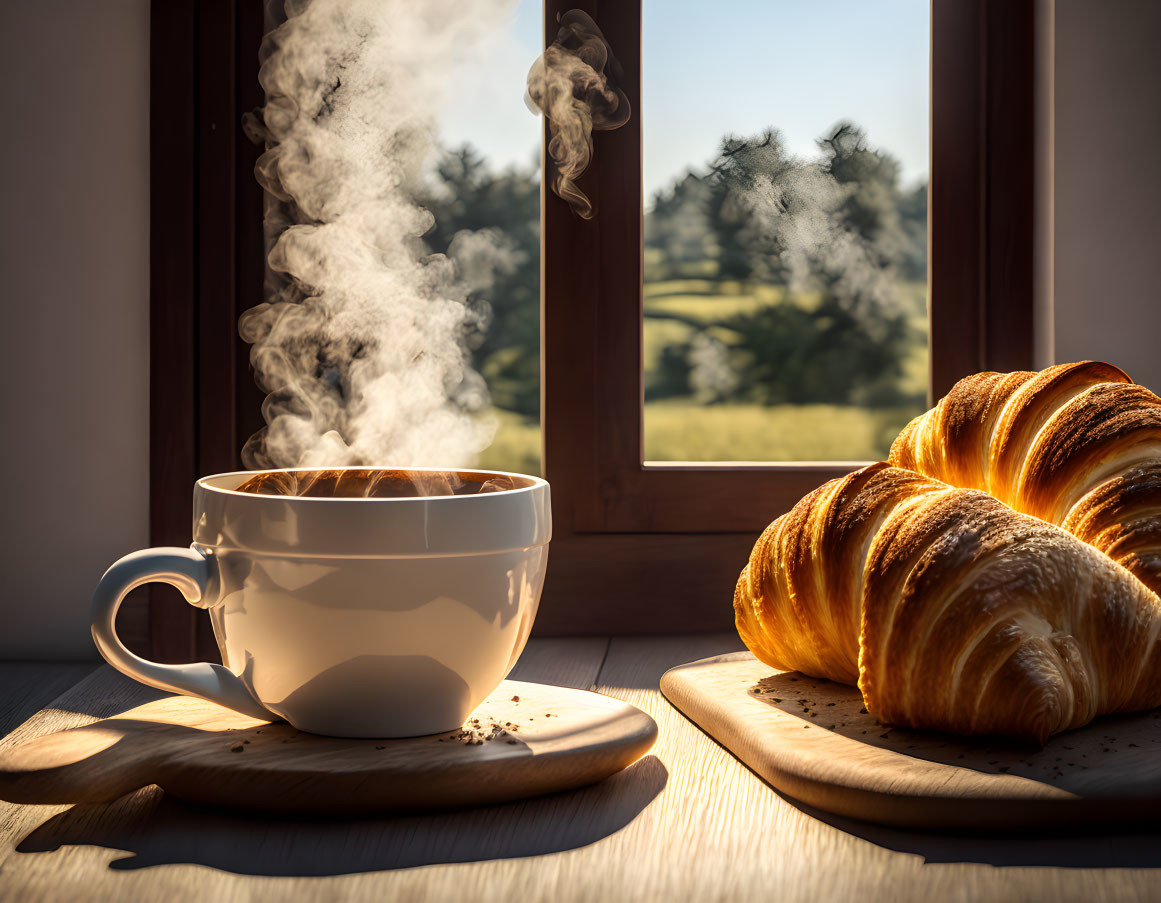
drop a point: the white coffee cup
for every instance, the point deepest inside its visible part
(353, 617)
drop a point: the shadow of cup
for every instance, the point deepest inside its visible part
(158, 830)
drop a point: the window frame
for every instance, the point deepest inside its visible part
(207, 266)
(637, 547)
(634, 536)
(631, 536)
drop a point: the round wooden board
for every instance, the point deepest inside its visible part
(526, 739)
(813, 740)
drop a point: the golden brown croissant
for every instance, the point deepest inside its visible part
(1078, 445)
(948, 609)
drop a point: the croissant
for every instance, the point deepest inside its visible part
(947, 608)
(1077, 445)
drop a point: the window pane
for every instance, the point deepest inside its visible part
(786, 162)
(401, 169)
(488, 182)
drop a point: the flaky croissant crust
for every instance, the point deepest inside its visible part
(948, 608)
(1078, 445)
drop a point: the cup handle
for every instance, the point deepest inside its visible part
(193, 574)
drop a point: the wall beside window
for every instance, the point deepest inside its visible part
(74, 341)
(1107, 192)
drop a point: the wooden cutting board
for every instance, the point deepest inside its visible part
(813, 740)
(525, 739)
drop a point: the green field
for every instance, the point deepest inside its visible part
(681, 429)
(676, 309)
(685, 431)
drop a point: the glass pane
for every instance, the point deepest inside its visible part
(786, 162)
(402, 180)
(488, 181)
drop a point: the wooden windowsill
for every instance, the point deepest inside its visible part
(688, 822)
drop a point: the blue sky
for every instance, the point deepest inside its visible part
(735, 66)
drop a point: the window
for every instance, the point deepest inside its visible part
(486, 178)
(785, 177)
(655, 546)
(637, 546)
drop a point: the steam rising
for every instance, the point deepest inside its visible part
(361, 343)
(569, 84)
(799, 212)
(795, 211)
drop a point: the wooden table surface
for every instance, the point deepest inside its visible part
(688, 822)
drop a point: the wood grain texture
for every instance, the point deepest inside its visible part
(173, 320)
(718, 833)
(814, 740)
(148, 846)
(29, 686)
(956, 233)
(593, 576)
(688, 822)
(572, 661)
(1009, 201)
(981, 223)
(524, 740)
(102, 693)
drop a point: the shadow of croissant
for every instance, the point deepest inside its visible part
(1074, 760)
(1069, 846)
(156, 829)
(1129, 740)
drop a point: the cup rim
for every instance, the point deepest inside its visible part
(205, 483)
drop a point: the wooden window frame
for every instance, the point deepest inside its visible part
(657, 547)
(207, 266)
(637, 547)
